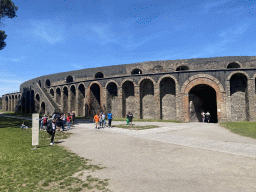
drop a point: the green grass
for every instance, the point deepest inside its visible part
(47, 168)
(147, 120)
(137, 127)
(246, 128)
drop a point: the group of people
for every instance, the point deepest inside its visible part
(206, 116)
(100, 120)
(58, 120)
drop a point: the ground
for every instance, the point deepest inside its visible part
(173, 157)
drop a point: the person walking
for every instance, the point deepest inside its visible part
(44, 118)
(208, 116)
(130, 118)
(109, 118)
(96, 120)
(100, 120)
(203, 116)
(51, 130)
(103, 119)
(68, 121)
(63, 121)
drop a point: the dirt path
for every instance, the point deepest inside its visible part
(175, 157)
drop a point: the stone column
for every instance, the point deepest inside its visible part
(9, 103)
(104, 100)
(61, 101)
(69, 101)
(228, 104)
(137, 102)
(250, 99)
(120, 103)
(156, 102)
(76, 102)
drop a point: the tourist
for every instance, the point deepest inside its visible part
(109, 118)
(208, 116)
(44, 118)
(73, 117)
(203, 116)
(100, 120)
(63, 121)
(130, 117)
(68, 121)
(57, 117)
(51, 130)
(103, 119)
(96, 120)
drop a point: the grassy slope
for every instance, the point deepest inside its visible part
(245, 128)
(47, 168)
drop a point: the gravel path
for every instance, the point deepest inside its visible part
(174, 157)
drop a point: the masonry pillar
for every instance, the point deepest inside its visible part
(137, 102)
(76, 102)
(228, 104)
(250, 99)
(69, 101)
(119, 102)
(9, 103)
(156, 102)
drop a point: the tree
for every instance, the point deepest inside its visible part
(7, 9)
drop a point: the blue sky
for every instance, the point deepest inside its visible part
(53, 36)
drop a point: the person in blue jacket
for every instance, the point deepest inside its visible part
(109, 118)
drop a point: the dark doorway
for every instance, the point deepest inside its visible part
(95, 104)
(202, 98)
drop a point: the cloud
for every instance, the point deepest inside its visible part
(46, 30)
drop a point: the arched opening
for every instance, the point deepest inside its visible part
(202, 97)
(52, 93)
(72, 98)
(128, 98)
(58, 96)
(81, 96)
(37, 103)
(239, 97)
(6, 103)
(39, 83)
(69, 79)
(233, 66)
(182, 68)
(147, 99)
(32, 101)
(42, 111)
(99, 75)
(65, 100)
(167, 99)
(47, 83)
(112, 104)
(136, 71)
(94, 101)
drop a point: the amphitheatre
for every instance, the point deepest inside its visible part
(168, 89)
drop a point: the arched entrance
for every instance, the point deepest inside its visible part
(202, 97)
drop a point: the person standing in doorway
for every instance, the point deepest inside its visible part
(203, 116)
(109, 118)
(208, 116)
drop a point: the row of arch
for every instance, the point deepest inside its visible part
(98, 75)
(141, 99)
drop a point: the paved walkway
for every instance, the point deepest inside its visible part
(174, 157)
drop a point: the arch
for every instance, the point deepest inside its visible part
(111, 93)
(234, 72)
(39, 83)
(42, 108)
(128, 80)
(111, 81)
(167, 98)
(128, 97)
(81, 97)
(182, 68)
(172, 77)
(95, 90)
(69, 79)
(202, 76)
(99, 75)
(145, 78)
(6, 103)
(37, 103)
(58, 96)
(47, 83)
(146, 99)
(52, 93)
(239, 97)
(72, 98)
(233, 65)
(65, 100)
(136, 71)
(202, 97)
(206, 80)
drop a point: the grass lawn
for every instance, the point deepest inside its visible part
(137, 127)
(47, 168)
(244, 128)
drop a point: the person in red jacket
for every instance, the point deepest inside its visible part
(68, 121)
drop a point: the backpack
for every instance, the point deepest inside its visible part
(44, 121)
